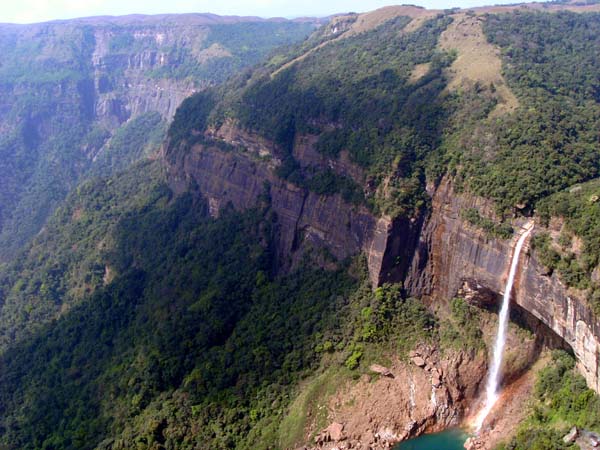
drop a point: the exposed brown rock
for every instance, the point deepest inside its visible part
(474, 443)
(306, 154)
(451, 256)
(333, 433)
(588, 440)
(381, 370)
(336, 431)
(418, 361)
(379, 413)
(571, 436)
(478, 295)
(305, 220)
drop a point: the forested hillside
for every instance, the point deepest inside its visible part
(551, 62)
(153, 309)
(71, 90)
(191, 311)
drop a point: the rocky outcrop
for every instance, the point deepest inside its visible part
(439, 259)
(403, 402)
(134, 92)
(442, 258)
(69, 86)
(570, 317)
(453, 257)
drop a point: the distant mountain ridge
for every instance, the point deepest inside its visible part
(169, 19)
(68, 86)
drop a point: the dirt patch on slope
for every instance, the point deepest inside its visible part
(427, 393)
(212, 52)
(371, 20)
(419, 72)
(477, 61)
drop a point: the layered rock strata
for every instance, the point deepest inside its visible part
(452, 254)
(305, 220)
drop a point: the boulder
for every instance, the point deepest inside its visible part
(368, 437)
(418, 361)
(336, 431)
(473, 443)
(571, 436)
(381, 370)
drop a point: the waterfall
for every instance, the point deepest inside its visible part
(494, 373)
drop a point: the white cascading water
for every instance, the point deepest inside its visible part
(494, 374)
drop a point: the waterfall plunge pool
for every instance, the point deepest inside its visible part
(453, 439)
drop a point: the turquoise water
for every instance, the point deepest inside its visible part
(446, 440)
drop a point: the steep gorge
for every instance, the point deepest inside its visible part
(70, 87)
(436, 258)
(435, 255)
(317, 254)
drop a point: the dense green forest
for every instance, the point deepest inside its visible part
(578, 208)
(193, 343)
(551, 62)
(64, 262)
(136, 140)
(392, 126)
(188, 299)
(131, 318)
(561, 397)
(355, 94)
(235, 46)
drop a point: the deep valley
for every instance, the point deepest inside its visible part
(232, 232)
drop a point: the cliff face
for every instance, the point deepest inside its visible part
(70, 87)
(439, 259)
(567, 315)
(453, 256)
(133, 92)
(305, 221)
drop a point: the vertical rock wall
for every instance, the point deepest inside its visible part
(435, 259)
(451, 253)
